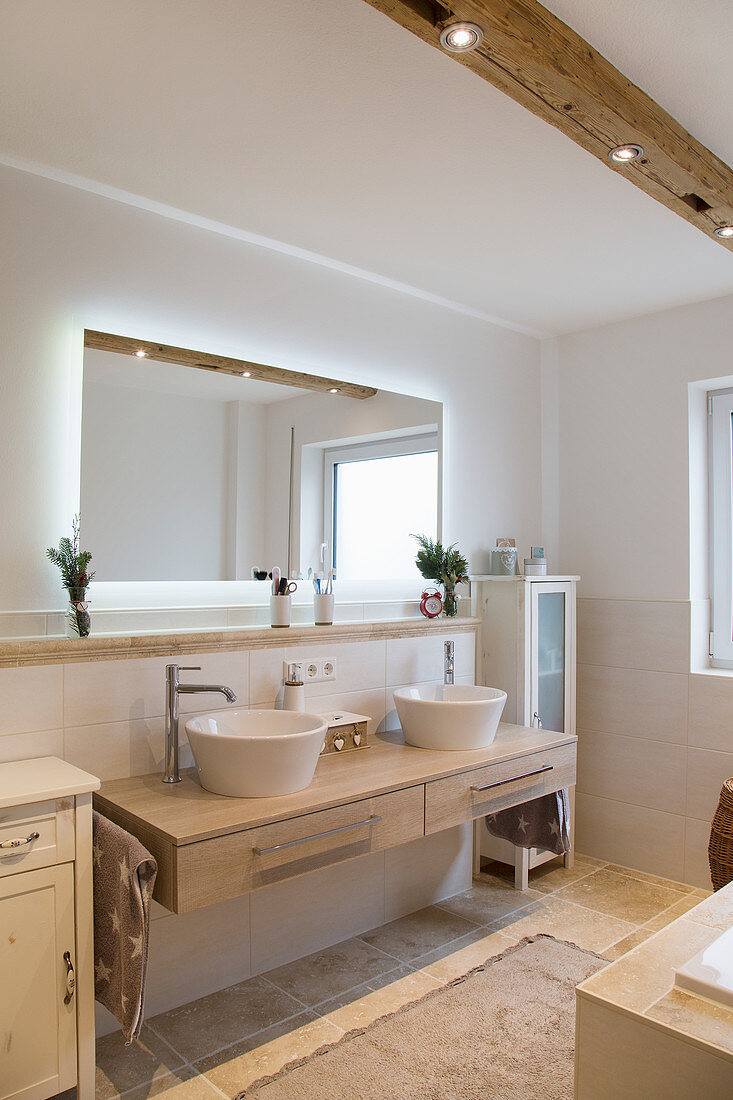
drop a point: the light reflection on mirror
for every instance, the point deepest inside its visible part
(188, 475)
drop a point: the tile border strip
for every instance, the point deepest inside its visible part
(50, 651)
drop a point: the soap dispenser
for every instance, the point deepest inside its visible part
(293, 691)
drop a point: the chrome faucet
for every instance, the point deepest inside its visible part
(448, 663)
(173, 688)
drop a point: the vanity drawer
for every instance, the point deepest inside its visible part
(227, 866)
(454, 800)
(53, 822)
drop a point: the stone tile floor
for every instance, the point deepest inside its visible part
(216, 1046)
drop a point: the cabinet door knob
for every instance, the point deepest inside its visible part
(70, 978)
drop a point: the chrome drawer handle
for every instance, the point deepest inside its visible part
(20, 842)
(318, 836)
(514, 778)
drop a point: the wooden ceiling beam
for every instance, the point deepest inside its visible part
(537, 60)
(222, 364)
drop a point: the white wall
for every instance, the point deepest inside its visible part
(623, 440)
(72, 259)
(655, 724)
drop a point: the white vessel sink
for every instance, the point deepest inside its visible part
(449, 717)
(256, 753)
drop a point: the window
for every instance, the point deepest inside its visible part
(720, 408)
(377, 494)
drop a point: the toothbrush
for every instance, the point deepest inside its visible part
(276, 580)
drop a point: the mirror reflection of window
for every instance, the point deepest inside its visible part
(379, 501)
(192, 474)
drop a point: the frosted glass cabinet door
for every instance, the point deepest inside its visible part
(551, 656)
(37, 1030)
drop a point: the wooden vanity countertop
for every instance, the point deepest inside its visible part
(184, 813)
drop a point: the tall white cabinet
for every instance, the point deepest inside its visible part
(46, 930)
(528, 649)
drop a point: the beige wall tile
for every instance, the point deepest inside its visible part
(621, 1056)
(27, 746)
(427, 870)
(230, 669)
(118, 749)
(31, 699)
(316, 910)
(192, 954)
(649, 634)
(697, 837)
(370, 703)
(418, 660)
(630, 769)
(711, 712)
(114, 691)
(633, 836)
(633, 702)
(359, 665)
(414, 660)
(706, 773)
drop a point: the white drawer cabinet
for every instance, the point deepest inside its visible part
(46, 930)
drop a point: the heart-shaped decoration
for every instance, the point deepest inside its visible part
(357, 739)
(338, 743)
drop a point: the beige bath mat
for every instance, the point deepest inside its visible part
(504, 1031)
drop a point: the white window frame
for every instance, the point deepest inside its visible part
(359, 452)
(720, 422)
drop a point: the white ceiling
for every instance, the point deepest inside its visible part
(327, 126)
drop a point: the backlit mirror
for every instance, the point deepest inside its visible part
(195, 472)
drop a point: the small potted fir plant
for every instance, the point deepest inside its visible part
(443, 564)
(74, 566)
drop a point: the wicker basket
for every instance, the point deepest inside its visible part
(720, 849)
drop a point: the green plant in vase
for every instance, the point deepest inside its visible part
(443, 564)
(75, 577)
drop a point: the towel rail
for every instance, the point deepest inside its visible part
(513, 778)
(318, 836)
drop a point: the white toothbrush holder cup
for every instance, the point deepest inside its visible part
(323, 610)
(280, 610)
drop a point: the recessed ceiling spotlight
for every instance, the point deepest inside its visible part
(724, 232)
(461, 37)
(140, 353)
(335, 389)
(622, 154)
(246, 374)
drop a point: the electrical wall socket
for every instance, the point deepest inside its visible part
(313, 672)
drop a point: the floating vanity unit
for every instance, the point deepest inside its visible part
(211, 848)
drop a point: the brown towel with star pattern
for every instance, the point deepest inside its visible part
(542, 823)
(124, 876)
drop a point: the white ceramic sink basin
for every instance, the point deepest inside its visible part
(256, 753)
(456, 716)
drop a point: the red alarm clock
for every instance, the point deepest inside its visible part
(431, 604)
